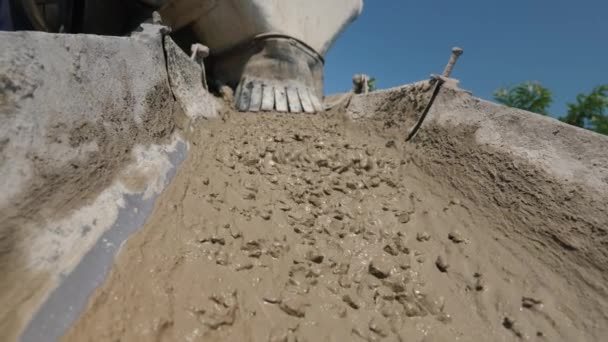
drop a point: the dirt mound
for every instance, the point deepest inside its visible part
(307, 228)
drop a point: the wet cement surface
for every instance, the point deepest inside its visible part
(311, 228)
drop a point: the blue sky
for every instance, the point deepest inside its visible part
(561, 43)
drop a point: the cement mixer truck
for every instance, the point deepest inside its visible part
(271, 53)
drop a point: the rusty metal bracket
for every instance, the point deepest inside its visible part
(438, 80)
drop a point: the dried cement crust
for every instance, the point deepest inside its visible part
(306, 228)
(72, 112)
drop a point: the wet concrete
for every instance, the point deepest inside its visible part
(293, 228)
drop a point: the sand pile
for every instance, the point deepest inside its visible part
(312, 228)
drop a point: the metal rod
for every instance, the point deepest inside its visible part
(456, 52)
(438, 83)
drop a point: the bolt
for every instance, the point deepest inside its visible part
(156, 18)
(199, 53)
(360, 83)
(456, 52)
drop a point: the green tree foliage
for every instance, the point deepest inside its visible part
(590, 111)
(530, 96)
(371, 84)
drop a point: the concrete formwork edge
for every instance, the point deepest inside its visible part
(89, 136)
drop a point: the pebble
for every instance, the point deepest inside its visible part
(253, 249)
(413, 310)
(529, 302)
(294, 306)
(404, 262)
(390, 249)
(316, 201)
(266, 214)
(349, 300)
(283, 206)
(357, 229)
(396, 283)
(444, 317)
(372, 283)
(341, 268)
(404, 218)
(379, 327)
(455, 201)
(509, 324)
(269, 298)
(375, 182)
(245, 266)
(315, 271)
(222, 258)
(400, 245)
(315, 257)
(345, 281)
(390, 309)
(216, 240)
(379, 268)
(384, 293)
(423, 236)
(341, 311)
(441, 264)
(250, 186)
(456, 237)
(479, 282)
(368, 163)
(235, 233)
(276, 250)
